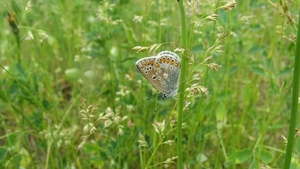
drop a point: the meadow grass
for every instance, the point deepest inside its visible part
(71, 96)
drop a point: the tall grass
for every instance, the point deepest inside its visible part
(71, 97)
(295, 102)
(183, 73)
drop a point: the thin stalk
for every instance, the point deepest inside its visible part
(181, 86)
(112, 73)
(295, 94)
(154, 152)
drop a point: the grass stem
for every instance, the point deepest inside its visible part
(181, 86)
(295, 94)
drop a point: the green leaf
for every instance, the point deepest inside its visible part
(73, 74)
(3, 153)
(47, 105)
(16, 161)
(256, 49)
(201, 158)
(90, 74)
(258, 70)
(17, 71)
(221, 116)
(25, 161)
(256, 27)
(286, 71)
(243, 155)
(266, 156)
(233, 69)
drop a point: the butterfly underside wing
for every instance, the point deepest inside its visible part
(162, 71)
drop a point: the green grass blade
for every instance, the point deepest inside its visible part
(182, 85)
(289, 149)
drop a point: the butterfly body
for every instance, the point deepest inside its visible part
(162, 71)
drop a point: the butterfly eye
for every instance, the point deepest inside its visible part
(146, 72)
(154, 77)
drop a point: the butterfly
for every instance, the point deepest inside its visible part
(162, 71)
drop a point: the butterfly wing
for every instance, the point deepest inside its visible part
(147, 68)
(162, 71)
(167, 64)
